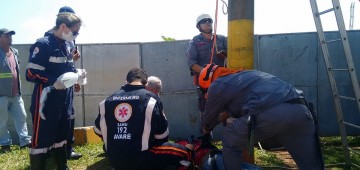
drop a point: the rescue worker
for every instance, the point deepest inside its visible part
(71, 154)
(263, 106)
(133, 126)
(200, 52)
(50, 58)
(10, 95)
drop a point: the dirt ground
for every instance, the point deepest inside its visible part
(285, 156)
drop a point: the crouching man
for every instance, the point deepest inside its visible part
(261, 106)
(134, 129)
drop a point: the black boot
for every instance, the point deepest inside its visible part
(38, 161)
(60, 158)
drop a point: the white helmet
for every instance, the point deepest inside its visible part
(201, 17)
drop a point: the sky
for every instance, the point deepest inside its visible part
(127, 21)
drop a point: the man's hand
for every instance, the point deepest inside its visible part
(223, 116)
(77, 87)
(59, 85)
(222, 54)
(205, 131)
(76, 55)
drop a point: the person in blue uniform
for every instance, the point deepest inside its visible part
(134, 129)
(200, 52)
(50, 58)
(71, 154)
(262, 106)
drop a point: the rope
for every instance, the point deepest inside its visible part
(214, 37)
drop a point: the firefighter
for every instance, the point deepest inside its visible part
(50, 58)
(262, 106)
(200, 52)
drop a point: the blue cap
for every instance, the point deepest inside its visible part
(66, 9)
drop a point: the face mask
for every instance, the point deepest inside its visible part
(69, 37)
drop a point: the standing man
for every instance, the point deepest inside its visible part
(71, 154)
(10, 95)
(201, 52)
(49, 59)
(262, 106)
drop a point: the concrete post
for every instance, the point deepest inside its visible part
(241, 34)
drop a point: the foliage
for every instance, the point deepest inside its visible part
(94, 157)
(167, 38)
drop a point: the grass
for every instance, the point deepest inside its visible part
(94, 158)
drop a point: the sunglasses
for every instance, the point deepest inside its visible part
(206, 20)
(75, 33)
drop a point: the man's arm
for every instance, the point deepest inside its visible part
(192, 55)
(160, 124)
(215, 105)
(98, 122)
(36, 68)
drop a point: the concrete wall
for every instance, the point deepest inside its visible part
(296, 58)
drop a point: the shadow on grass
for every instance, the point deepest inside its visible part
(103, 164)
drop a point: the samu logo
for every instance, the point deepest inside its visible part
(123, 112)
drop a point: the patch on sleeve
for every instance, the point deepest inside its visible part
(35, 51)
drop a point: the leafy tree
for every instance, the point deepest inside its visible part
(167, 38)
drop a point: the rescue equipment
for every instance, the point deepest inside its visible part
(211, 72)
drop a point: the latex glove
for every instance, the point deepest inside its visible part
(82, 76)
(59, 85)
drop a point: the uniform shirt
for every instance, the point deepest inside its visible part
(49, 58)
(130, 121)
(246, 92)
(199, 50)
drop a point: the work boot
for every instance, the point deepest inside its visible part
(59, 155)
(38, 161)
(74, 155)
(5, 149)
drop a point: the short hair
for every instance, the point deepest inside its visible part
(69, 19)
(154, 83)
(137, 74)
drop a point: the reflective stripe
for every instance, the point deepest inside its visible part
(34, 151)
(35, 66)
(59, 59)
(147, 124)
(72, 116)
(103, 122)
(5, 75)
(164, 135)
(97, 131)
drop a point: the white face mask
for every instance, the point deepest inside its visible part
(69, 37)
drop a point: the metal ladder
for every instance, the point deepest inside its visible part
(331, 71)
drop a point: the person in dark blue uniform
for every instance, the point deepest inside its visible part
(200, 52)
(134, 129)
(256, 106)
(71, 154)
(49, 59)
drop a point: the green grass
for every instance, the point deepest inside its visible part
(94, 159)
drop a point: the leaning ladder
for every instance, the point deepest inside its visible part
(330, 70)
